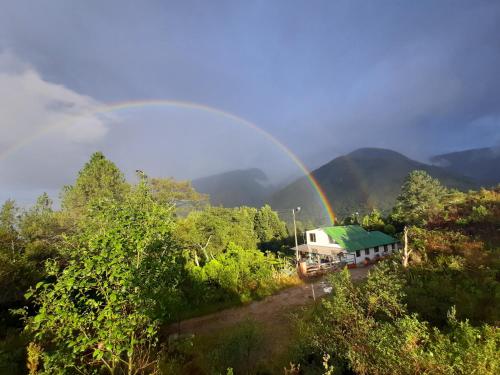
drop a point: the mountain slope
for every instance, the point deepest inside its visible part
(235, 188)
(359, 181)
(481, 164)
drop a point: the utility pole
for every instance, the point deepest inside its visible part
(295, 233)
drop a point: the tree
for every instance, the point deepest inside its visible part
(98, 179)
(373, 221)
(208, 232)
(32, 234)
(102, 309)
(269, 228)
(246, 273)
(40, 230)
(9, 237)
(179, 193)
(421, 197)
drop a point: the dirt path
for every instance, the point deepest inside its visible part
(270, 311)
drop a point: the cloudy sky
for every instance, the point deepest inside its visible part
(321, 77)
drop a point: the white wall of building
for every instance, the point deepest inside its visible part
(372, 254)
(322, 238)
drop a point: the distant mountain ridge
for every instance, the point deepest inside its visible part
(247, 187)
(359, 181)
(481, 164)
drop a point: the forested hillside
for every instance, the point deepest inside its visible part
(360, 181)
(481, 164)
(248, 187)
(91, 287)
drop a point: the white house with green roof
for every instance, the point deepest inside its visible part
(349, 243)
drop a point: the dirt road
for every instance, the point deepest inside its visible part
(270, 311)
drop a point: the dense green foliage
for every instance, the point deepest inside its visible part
(439, 315)
(102, 307)
(94, 282)
(359, 181)
(369, 330)
(98, 179)
(420, 199)
(102, 274)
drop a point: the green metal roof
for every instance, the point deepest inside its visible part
(354, 237)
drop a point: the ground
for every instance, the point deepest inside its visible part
(273, 316)
(269, 311)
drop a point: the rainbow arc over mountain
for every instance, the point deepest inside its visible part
(119, 106)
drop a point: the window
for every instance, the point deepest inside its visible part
(385, 248)
(312, 237)
(377, 249)
(358, 253)
(330, 239)
(367, 251)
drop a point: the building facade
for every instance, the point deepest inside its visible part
(349, 243)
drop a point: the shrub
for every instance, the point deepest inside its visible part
(248, 273)
(100, 310)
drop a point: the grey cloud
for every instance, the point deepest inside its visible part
(324, 77)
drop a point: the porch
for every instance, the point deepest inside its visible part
(317, 260)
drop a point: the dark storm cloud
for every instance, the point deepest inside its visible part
(324, 77)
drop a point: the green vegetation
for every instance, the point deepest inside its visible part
(102, 308)
(437, 313)
(421, 198)
(95, 286)
(360, 181)
(368, 329)
(93, 283)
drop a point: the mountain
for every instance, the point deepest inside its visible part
(364, 179)
(481, 164)
(247, 187)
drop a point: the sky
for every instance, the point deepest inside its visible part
(319, 78)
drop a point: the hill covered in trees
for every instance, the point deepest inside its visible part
(360, 181)
(357, 182)
(247, 187)
(481, 164)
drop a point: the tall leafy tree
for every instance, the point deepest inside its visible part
(9, 236)
(208, 232)
(102, 310)
(373, 221)
(179, 193)
(40, 229)
(98, 179)
(13, 271)
(421, 197)
(269, 228)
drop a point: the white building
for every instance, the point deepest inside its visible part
(349, 243)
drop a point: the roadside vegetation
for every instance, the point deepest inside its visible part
(433, 309)
(89, 287)
(86, 288)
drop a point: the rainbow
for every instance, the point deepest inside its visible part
(113, 107)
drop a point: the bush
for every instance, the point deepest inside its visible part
(100, 310)
(367, 329)
(248, 273)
